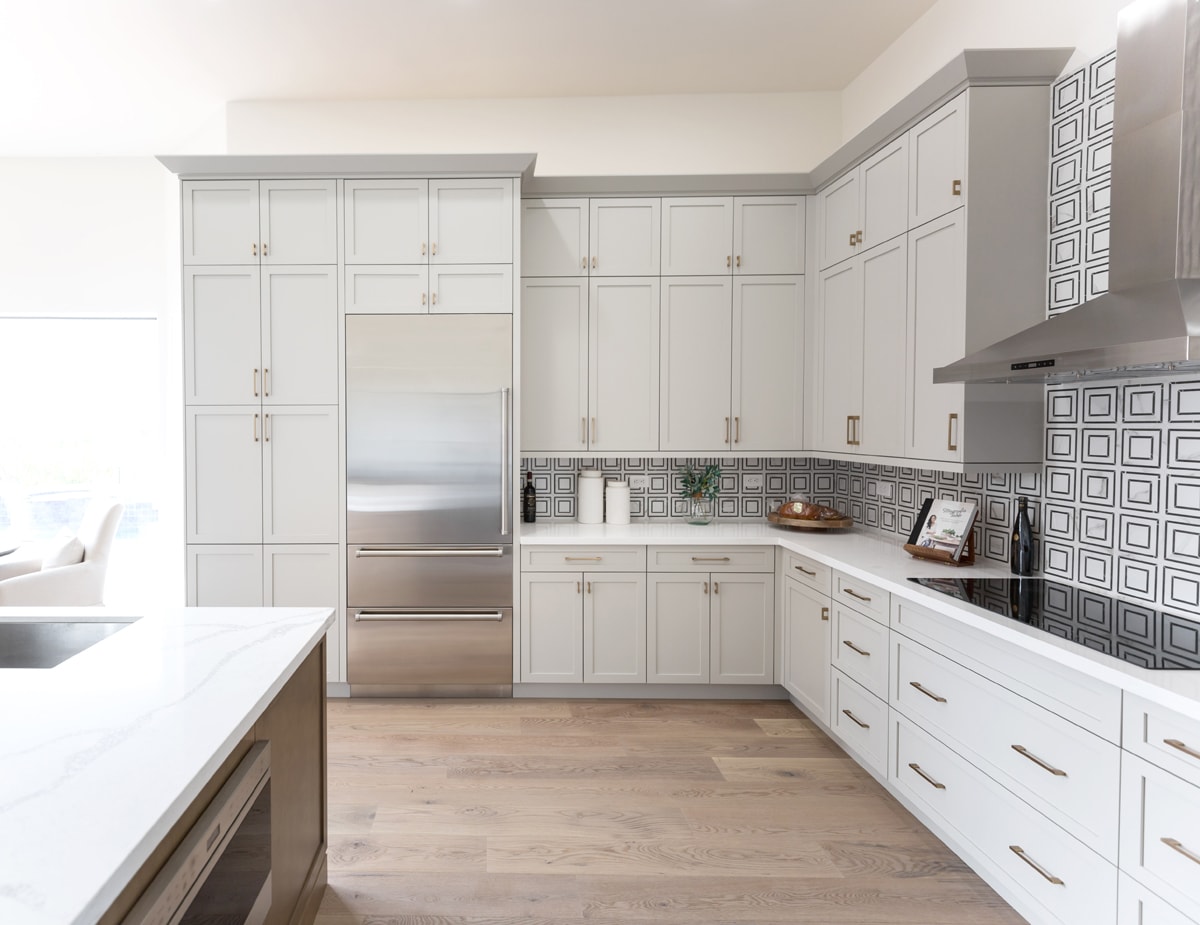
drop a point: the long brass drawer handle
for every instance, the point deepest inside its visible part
(857, 720)
(854, 648)
(1175, 743)
(929, 780)
(928, 693)
(1176, 845)
(583, 558)
(710, 558)
(1026, 753)
(1020, 852)
(801, 568)
(852, 593)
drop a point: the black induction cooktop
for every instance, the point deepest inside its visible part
(1135, 633)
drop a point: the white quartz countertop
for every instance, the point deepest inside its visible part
(879, 558)
(100, 755)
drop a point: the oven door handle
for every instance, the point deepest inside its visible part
(405, 552)
(400, 616)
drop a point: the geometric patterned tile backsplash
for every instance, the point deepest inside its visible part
(1117, 504)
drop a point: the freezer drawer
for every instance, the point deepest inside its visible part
(397, 651)
(429, 576)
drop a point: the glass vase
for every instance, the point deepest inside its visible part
(701, 511)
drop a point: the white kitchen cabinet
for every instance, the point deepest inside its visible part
(937, 163)
(865, 206)
(252, 222)
(697, 236)
(301, 501)
(471, 221)
(742, 629)
(768, 235)
(224, 474)
(767, 399)
(623, 365)
(554, 237)
(806, 639)
(625, 237)
(299, 335)
(696, 364)
(554, 366)
(839, 327)
(395, 289)
(225, 576)
(677, 633)
(387, 221)
(551, 627)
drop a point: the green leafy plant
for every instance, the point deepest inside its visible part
(702, 483)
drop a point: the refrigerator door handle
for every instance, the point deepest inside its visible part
(403, 552)
(403, 616)
(505, 463)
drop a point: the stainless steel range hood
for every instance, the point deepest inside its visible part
(1149, 322)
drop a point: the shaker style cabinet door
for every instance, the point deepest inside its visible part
(624, 237)
(224, 474)
(677, 632)
(614, 628)
(768, 363)
(298, 221)
(225, 576)
(742, 628)
(387, 221)
(222, 353)
(883, 194)
(299, 335)
(697, 236)
(839, 331)
(768, 235)
(220, 222)
(471, 221)
(554, 237)
(301, 575)
(554, 366)
(937, 163)
(806, 642)
(392, 289)
(695, 364)
(552, 627)
(884, 319)
(838, 203)
(301, 500)
(623, 365)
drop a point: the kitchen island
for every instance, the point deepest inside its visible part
(108, 758)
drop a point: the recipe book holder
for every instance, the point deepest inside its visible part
(940, 555)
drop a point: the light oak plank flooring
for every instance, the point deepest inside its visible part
(535, 812)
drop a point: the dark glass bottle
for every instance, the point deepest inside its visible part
(1020, 558)
(529, 500)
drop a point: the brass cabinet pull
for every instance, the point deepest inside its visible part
(1176, 845)
(256, 428)
(716, 587)
(1020, 852)
(950, 438)
(825, 614)
(706, 587)
(1026, 753)
(582, 558)
(589, 587)
(253, 248)
(264, 248)
(726, 430)
(578, 588)
(433, 249)
(930, 694)
(854, 648)
(593, 432)
(858, 236)
(583, 431)
(849, 436)
(422, 248)
(710, 558)
(857, 720)
(423, 297)
(852, 239)
(583, 263)
(266, 383)
(852, 422)
(859, 596)
(937, 785)
(266, 428)
(433, 299)
(956, 188)
(801, 568)
(739, 260)
(1175, 743)
(737, 429)
(728, 262)
(593, 263)
(256, 383)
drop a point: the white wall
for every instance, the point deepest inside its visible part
(583, 136)
(1089, 26)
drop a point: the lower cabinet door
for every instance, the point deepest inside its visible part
(552, 627)
(225, 576)
(742, 629)
(806, 635)
(860, 720)
(1136, 905)
(677, 636)
(614, 627)
(306, 576)
(301, 501)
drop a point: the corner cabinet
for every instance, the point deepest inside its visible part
(947, 257)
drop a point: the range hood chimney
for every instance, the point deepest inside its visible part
(1149, 321)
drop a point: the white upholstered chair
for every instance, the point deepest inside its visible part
(28, 578)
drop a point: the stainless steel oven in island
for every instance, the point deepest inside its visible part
(429, 486)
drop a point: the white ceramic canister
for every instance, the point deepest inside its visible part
(589, 503)
(616, 502)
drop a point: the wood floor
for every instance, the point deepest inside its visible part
(602, 812)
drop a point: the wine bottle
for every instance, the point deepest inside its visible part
(1021, 555)
(529, 500)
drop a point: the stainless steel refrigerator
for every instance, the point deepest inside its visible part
(429, 505)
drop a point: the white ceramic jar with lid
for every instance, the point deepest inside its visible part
(616, 502)
(589, 502)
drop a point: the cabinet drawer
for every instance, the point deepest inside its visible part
(862, 596)
(1094, 705)
(807, 571)
(1036, 859)
(710, 559)
(860, 649)
(1160, 833)
(1062, 770)
(860, 720)
(1136, 905)
(583, 558)
(1163, 737)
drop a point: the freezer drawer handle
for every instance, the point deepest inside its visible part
(401, 617)
(403, 552)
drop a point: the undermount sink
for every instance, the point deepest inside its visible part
(46, 643)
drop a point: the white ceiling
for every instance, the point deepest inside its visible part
(139, 76)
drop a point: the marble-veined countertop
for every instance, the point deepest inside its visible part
(100, 755)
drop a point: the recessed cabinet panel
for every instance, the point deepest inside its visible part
(301, 575)
(623, 365)
(299, 335)
(387, 221)
(220, 222)
(554, 237)
(614, 628)
(768, 363)
(839, 219)
(387, 290)
(697, 236)
(554, 366)
(300, 475)
(885, 318)
(222, 363)
(298, 221)
(224, 475)
(624, 237)
(551, 628)
(839, 353)
(695, 372)
(677, 633)
(471, 221)
(937, 163)
(742, 629)
(470, 290)
(884, 194)
(768, 235)
(226, 576)
(806, 635)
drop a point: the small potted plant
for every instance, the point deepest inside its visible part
(700, 487)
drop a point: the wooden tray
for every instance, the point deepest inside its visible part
(800, 523)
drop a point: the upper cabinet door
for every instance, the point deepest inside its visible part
(838, 203)
(623, 365)
(298, 221)
(624, 235)
(471, 221)
(299, 331)
(839, 331)
(768, 367)
(884, 320)
(220, 222)
(938, 163)
(768, 235)
(222, 355)
(695, 370)
(697, 236)
(387, 221)
(554, 366)
(554, 237)
(224, 474)
(884, 194)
